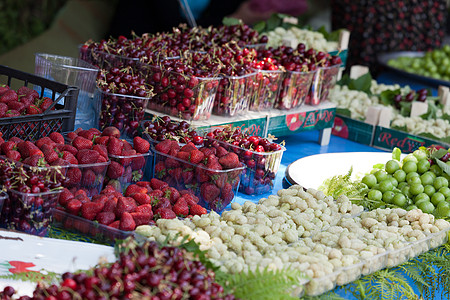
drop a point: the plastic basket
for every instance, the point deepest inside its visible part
(34, 127)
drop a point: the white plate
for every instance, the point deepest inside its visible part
(312, 171)
(46, 254)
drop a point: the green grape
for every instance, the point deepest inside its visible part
(436, 170)
(385, 185)
(423, 166)
(381, 175)
(437, 197)
(440, 182)
(399, 200)
(409, 166)
(411, 207)
(392, 166)
(400, 175)
(427, 178)
(421, 196)
(370, 180)
(429, 190)
(443, 209)
(426, 207)
(414, 180)
(416, 189)
(393, 181)
(445, 190)
(375, 195)
(388, 196)
(420, 154)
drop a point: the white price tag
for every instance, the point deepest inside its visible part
(357, 71)
(344, 39)
(373, 115)
(418, 108)
(385, 117)
(444, 95)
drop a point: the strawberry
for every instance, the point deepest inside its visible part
(163, 203)
(13, 155)
(87, 156)
(87, 134)
(188, 147)
(127, 222)
(208, 151)
(88, 178)
(24, 90)
(155, 196)
(102, 140)
(64, 197)
(127, 146)
(115, 170)
(221, 151)
(24, 148)
(110, 205)
(165, 213)
(16, 105)
(57, 137)
(187, 176)
(160, 169)
(125, 160)
(101, 149)
(82, 143)
(27, 100)
(74, 206)
(105, 217)
(3, 109)
(69, 157)
(44, 141)
(114, 146)
(229, 161)
(90, 210)
(111, 131)
(36, 151)
(172, 194)
(145, 184)
(35, 161)
(167, 145)
(141, 218)
(181, 155)
(45, 103)
(181, 208)
(59, 162)
(227, 193)
(50, 155)
(72, 135)
(196, 156)
(190, 199)
(33, 110)
(12, 113)
(69, 148)
(8, 96)
(209, 191)
(73, 176)
(7, 146)
(176, 174)
(133, 189)
(220, 179)
(144, 208)
(141, 198)
(124, 204)
(141, 145)
(197, 210)
(115, 224)
(201, 175)
(138, 163)
(157, 184)
(100, 165)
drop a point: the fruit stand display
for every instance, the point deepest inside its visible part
(182, 172)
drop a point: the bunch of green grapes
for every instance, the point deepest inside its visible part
(414, 182)
(435, 63)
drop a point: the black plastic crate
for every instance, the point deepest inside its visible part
(33, 127)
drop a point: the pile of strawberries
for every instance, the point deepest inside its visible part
(127, 161)
(141, 204)
(24, 101)
(211, 173)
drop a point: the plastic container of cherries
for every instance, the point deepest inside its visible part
(324, 79)
(294, 89)
(266, 89)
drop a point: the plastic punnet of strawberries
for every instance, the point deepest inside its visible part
(261, 157)
(142, 203)
(211, 173)
(24, 101)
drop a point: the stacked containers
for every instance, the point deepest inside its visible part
(74, 72)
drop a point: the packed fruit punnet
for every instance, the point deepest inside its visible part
(141, 204)
(212, 173)
(146, 271)
(261, 157)
(164, 128)
(24, 101)
(123, 96)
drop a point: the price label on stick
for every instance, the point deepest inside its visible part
(385, 117)
(344, 39)
(373, 115)
(418, 108)
(357, 71)
(444, 95)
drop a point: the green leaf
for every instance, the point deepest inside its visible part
(343, 111)
(387, 96)
(396, 153)
(362, 83)
(438, 154)
(444, 166)
(231, 21)
(260, 26)
(345, 80)
(273, 22)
